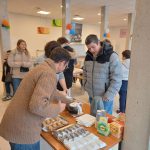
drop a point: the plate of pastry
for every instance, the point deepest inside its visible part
(51, 124)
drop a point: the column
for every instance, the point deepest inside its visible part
(131, 18)
(4, 33)
(104, 20)
(66, 16)
(137, 127)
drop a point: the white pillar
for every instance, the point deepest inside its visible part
(104, 20)
(4, 33)
(137, 127)
(66, 16)
(131, 19)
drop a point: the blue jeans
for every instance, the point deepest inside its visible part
(8, 88)
(108, 105)
(35, 146)
(123, 96)
(16, 82)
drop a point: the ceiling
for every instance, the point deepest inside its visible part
(118, 9)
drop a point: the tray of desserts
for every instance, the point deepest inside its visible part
(75, 137)
(51, 124)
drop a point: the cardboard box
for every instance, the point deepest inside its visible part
(116, 129)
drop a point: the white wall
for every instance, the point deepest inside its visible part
(25, 27)
(90, 29)
(117, 42)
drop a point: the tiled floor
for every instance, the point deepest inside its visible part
(78, 93)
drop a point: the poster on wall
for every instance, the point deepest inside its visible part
(42, 30)
(123, 33)
(77, 34)
(57, 22)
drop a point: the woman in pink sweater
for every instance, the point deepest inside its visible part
(20, 62)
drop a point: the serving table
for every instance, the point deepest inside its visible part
(56, 145)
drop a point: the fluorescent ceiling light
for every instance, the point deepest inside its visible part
(43, 12)
(77, 17)
(99, 14)
(125, 19)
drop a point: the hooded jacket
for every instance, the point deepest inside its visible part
(103, 74)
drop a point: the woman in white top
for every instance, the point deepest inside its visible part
(20, 62)
(123, 90)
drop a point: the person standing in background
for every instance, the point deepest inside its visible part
(123, 90)
(68, 72)
(36, 99)
(102, 74)
(20, 62)
(8, 84)
(60, 76)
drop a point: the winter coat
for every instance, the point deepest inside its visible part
(103, 74)
(6, 70)
(16, 60)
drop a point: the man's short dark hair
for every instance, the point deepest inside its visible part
(8, 51)
(60, 54)
(50, 46)
(92, 38)
(62, 40)
(126, 54)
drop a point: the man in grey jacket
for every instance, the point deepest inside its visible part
(102, 74)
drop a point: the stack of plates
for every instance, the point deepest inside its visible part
(86, 120)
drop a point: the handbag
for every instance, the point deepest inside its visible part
(24, 69)
(8, 77)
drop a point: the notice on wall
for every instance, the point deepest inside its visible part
(123, 33)
(76, 36)
(42, 30)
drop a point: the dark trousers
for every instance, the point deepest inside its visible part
(123, 96)
(8, 88)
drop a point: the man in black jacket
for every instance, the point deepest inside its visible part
(68, 72)
(6, 78)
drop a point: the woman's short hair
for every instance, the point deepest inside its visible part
(126, 54)
(50, 46)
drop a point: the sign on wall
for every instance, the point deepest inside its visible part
(57, 22)
(123, 33)
(42, 30)
(76, 37)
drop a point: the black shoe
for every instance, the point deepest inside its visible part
(118, 111)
